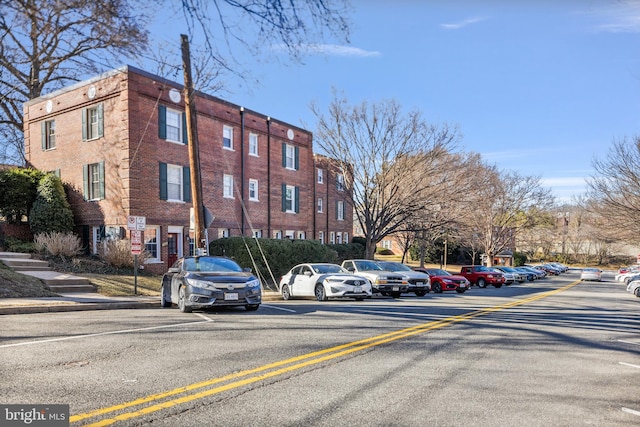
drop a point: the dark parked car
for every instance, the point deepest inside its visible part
(206, 281)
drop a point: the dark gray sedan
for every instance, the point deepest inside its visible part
(202, 282)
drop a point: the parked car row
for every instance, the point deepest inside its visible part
(200, 282)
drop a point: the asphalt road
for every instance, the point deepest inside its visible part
(555, 352)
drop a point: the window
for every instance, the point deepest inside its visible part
(302, 235)
(175, 183)
(253, 189)
(152, 242)
(345, 237)
(223, 232)
(257, 234)
(277, 234)
(92, 122)
(320, 205)
(332, 238)
(49, 135)
(227, 186)
(93, 178)
(172, 125)
(321, 236)
(290, 198)
(290, 156)
(338, 238)
(386, 244)
(340, 182)
(289, 234)
(253, 144)
(227, 137)
(340, 211)
(320, 176)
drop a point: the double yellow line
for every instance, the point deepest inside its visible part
(171, 398)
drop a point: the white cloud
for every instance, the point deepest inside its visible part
(462, 24)
(331, 50)
(618, 17)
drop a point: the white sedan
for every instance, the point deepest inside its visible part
(634, 287)
(323, 281)
(591, 274)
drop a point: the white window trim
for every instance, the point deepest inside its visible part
(255, 183)
(340, 210)
(320, 205)
(180, 183)
(290, 149)
(157, 243)
(255, 152)
(320, 176)
(321, 237)
(180, 124)
(291, 189)
(226, 129)
(227, 186)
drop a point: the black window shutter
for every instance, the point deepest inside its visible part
(284, 197)
(185, 136)
(101, 177)
(162, 122)
(100, 120)
(163, 181)
(85, 181)
(186, 184)
(44, 135)
(284, 155)
(297, 158)
(297, 200)
(84, 124)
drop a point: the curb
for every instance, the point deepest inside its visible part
(59, 307)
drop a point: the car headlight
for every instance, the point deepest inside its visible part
(203, 284)
(253, 284)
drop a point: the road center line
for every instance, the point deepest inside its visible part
(629, 364)
(280, 367)
(124, 331)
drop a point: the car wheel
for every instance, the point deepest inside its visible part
(395, 294)
(286, 294)
(436, 287)
(164, 301)
(321, 295)
(251, 307)
(421, 293)
(497, 285)
(482, 283)
(460, 291)
(637, 292)
(182, 303)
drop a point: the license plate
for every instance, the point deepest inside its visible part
(232, 296)
(357, 289)
(419, 283)
(396, 288)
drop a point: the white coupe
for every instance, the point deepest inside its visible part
(323, 281)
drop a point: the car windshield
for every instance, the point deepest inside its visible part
(211, 264)
(438, 272)
(394, 266)
(327, 268)
(368, 266)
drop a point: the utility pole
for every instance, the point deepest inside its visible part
(194, 152)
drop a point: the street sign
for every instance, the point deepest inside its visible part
(136, 242)
(136, 222)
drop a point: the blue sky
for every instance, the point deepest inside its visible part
(541, 87)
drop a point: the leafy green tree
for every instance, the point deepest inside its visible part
(18, 191)
(51, 211)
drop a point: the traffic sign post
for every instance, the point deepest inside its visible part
(136, 224)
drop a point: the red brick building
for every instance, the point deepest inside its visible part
(119, 142)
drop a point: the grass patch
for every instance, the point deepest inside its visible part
(16, 285)
(123, 285)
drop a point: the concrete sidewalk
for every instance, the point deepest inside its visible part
(89, 301)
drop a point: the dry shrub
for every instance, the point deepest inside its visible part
(118, 253)
(58, 244)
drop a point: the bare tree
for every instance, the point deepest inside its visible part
(44, 45)
(506, 203)
(614, 191)
(383, 145)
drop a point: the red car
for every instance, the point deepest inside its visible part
(442, 280)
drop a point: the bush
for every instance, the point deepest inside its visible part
(58, 244)
(519, 258)
(279, 255)
(350, 251)
(384, 251)
(11, 244)
(51, 210)
(117, 253)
